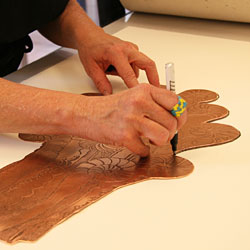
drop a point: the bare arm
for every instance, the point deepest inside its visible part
(72, 27)
(33, 110)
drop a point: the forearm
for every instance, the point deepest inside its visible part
(28, 109)
(120, 119)
(72, 27)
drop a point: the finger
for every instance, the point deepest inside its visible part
(164, 97)
(111, 70)
(136, 69)
(153, 131)
(100, 79)
(162, 117)
(151, 109)
(125, 71)
(145, 63)
(136, 145)
(182, 120)
(167, 100)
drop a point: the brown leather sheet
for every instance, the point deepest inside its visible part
(67, 174)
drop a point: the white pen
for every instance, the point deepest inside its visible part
(170, 76)
(170, 85)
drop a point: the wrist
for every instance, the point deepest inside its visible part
(79, 120)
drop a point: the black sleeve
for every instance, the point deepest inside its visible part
(20, 17)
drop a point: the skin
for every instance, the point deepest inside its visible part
(120, 119)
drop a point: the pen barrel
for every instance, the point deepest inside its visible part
(170, 85)
(174, 142)
(170, 76)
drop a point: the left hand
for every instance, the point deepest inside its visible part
(101, 51)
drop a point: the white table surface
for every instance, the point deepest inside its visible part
(209, 209)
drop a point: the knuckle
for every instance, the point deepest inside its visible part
(138, 101)
(135, 46)
(141, 96)
(151, 63)
(116, 48)
(132, 46)
(126, 137)
(146, 88)
(121, 47)
(112, 51)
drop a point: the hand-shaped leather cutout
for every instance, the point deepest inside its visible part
(67, 174)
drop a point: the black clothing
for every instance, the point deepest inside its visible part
(17, 19)
(109, 11)
(11, 54)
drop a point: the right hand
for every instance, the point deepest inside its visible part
(122, 119)
(101, 50)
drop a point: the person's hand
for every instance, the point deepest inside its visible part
(103, 54)
(123, 119)
(99, 52)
